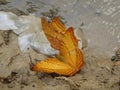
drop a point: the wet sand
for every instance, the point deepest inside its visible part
(100, 23)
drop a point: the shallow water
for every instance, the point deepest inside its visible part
(100, 19)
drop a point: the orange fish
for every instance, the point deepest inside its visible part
(70, 59)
